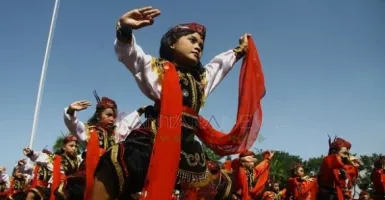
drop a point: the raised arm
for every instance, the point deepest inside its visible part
(221, 64)
(4, 178)
(74, 125)
(128, 52)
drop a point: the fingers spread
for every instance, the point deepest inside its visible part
(151, 13)
(141, 10)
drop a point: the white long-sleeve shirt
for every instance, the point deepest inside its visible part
(124, 125)
(4, 178)
(141, 65)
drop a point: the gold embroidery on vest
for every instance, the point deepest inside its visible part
(118, 169)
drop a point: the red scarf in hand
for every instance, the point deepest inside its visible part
(164, 163)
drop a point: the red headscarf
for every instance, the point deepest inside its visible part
(200, 29)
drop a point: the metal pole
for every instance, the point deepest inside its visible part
(43, 72)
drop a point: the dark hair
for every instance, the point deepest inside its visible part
(293, 171)
(95, 117)
(170, 38)
(334, 150)
(379, 162)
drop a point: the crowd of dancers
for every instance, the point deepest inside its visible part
(160, 158)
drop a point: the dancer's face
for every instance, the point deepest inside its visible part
(300, 172)
(188, 49)
(276, 187)
(18, 174)
(365, 197)
(108, 117)
(71, 148)
(343, 153)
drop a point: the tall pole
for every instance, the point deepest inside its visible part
(43, 72)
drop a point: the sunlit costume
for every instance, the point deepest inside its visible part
(165, 145)
(99, 138)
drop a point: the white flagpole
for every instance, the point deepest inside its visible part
(43, 72)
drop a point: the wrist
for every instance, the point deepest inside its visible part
(123, 32)
(70, 111)
(30, 153)
(240, 51)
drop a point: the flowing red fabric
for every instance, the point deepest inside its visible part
(92, 159)
(164, 162)
(262, 177)
(249, 115)
(12, 184)
(56, 174)
(35, 176)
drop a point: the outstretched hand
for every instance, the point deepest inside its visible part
(139, 18)
(79, 105)
(27, 151)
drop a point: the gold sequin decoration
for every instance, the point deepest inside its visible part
(157, 67)
(118, 169)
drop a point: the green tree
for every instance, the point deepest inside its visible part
(313, 165)
(364, 182)
(58, 144)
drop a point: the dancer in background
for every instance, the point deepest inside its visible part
(4, 183)
(18, 183)
(333, 178)
(378, 178)
(52, 169)
(275, 192)
(301, 187)
(99, 134)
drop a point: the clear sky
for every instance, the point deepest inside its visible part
(324, 64)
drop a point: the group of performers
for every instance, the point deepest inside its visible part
(161, 157)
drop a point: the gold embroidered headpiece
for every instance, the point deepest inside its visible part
(200, 29)
(104, 102)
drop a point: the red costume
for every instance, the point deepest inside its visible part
(378, 179)
(301, 189)
(335, 177)
(270, 195)
(249, 184)
(160, 185)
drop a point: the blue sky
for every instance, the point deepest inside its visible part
(323, 63)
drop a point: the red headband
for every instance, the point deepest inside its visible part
(339, 143)
(70, 138)
(246, 153)
(106, 103)
(200, 29)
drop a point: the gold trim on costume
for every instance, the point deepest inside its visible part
(202, 183)
(194, 178)
(157, 67)
(60, 190)
(118, 169)
(229, 184)
(194, 92)
(38, 193)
